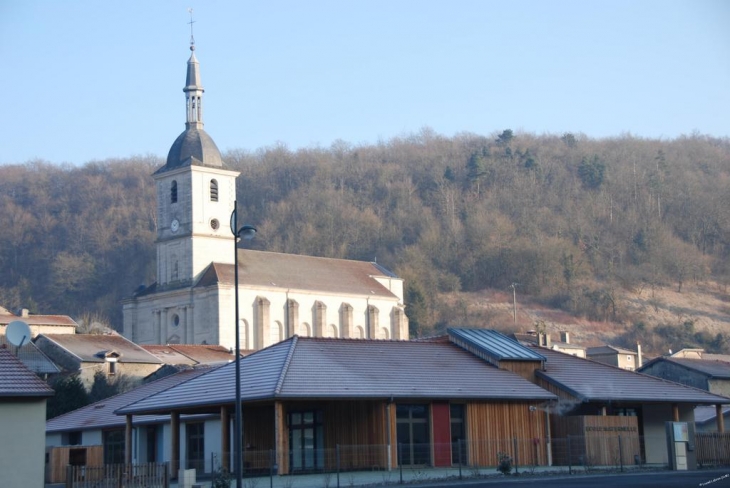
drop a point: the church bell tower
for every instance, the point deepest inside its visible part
(195, 197)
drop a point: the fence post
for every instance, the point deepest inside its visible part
(620, 454)
(514, 442)
(271, 468)
(400, 461)
(570, 463)
(337, 452)
(458, 444)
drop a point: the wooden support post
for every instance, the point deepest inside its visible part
(720, 419)
(175, 441)
(280, 434)
(675, 412)
(128, 441)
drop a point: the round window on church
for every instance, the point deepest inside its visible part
(214, 224)
(175, 320)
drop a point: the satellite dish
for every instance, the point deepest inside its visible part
(18, 333)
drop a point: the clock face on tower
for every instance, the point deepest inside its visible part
(174, 225)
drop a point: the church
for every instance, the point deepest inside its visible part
(280, 295)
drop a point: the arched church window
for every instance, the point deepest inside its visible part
(213, 190)
(175, 271)
(173, 192)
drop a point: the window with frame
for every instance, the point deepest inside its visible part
(173, 192)
(195, 442)
(458, 433)
(113, 441)
(414, 446)
(306, 440)
(213, 190)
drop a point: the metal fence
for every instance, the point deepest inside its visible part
(150, 475)
(586, 453)
(401, 463)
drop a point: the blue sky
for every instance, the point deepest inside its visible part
(85, 80)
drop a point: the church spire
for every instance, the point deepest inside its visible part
(193, 89)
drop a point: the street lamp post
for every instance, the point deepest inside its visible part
(245, 232)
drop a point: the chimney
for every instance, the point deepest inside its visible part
(639, 359)
(24, 312)
(565, 337)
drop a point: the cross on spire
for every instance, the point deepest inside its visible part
(192, 39)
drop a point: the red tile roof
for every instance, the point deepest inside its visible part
(18, 381)
(65, 320)
(92, 347)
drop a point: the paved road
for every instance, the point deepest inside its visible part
(719, 478)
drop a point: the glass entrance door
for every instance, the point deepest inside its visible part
(414, 447)
(306, 441)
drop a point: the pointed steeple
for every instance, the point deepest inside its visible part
(193, 93)
(194, 147)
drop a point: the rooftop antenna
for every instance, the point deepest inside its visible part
(192, 38)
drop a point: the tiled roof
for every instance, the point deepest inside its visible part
(18, 381)
(297, 272)
(317, 368)
(591, 351)
(709, 367)
(593, 381)
(92, 347)
(190, 353)
(101, 414)
(493, 344)
(32, 357)
(65, 320)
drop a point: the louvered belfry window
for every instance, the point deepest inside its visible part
(213, 190)
(173, 192)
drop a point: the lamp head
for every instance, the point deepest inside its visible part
(247, 232)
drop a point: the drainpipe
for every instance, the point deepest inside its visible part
(367, 318)
(286, 316)
(389, 413)
(639, 358)
(548, 440)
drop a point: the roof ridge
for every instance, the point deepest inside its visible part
(287, 362)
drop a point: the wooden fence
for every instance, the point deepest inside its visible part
(713, 448)
(150, 475)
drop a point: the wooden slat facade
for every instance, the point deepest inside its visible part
(492, 428)
(526, 369)
(59, 458)
(713, 448)
(359, 427)
(594, 439)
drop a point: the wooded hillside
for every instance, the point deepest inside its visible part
(571, 220)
